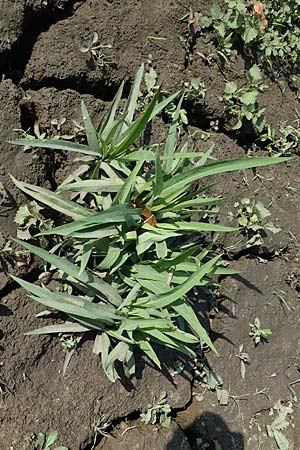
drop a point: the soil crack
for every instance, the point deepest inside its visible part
(35, 22)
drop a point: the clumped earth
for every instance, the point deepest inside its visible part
(45, 75)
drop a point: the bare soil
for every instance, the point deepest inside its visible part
(45, 78)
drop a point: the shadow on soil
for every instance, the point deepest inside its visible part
(210, 432)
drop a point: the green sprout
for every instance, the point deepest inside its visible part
(44, 442)
(98, 52)
(259, 335)
(158, 412)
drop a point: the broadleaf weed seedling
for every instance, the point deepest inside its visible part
(259, 335)
(244, 359)
(242, 103)
(43, 442)
(268, 32)
(9, 256)
(30, 220)
(284, 142)
(253, 219)
(194, 89)
(98, 52)
(158, 412)
(281, 423)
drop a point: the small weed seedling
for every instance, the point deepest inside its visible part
(201, 444)
(242, 103)
(194, 89)
(68, 342)
(98, 52)
(244, 359)
(259, 335)
(253, 218)
(9, 256)
(266, 31)
(6, 249)
(279, 424)
(42, 442)
(30, 220)
(158, 412)
(285, 142)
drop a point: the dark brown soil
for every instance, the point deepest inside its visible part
(136, 436)
(45, 77)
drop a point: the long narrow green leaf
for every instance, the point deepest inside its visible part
(182, 336)
(170, 145)
(88, 279)
(117, 354)
(149, 155)
(216, 168)
(186, 311)
(123, 195)
(141, 324)
(161, 105)
(93, 324)
(194, 227)
(110, 135)
(173, 262)
(120, 261)
(56, 144)
(134, 131)
(111, 257)
(112, 216)
(85, 257)
(53, 200)
(95, 232)
(90, 130)
(69, 304)
(146, 347)
(163, 300)
(147, 239)
(106, 124)
(59, 328)
(106, 185)
(197, 202)
(131, 103)
(119, 336)
(158, 182)
(132, 295)
(166, 341)
(154, 287)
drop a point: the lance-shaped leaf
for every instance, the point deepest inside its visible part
(53, 200)
(70, 304)
(215, 168)
(163, 300)
(114, 215)
(56, 144)
(90, 280)
(90, 131)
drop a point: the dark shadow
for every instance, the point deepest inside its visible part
(167, 358)
(5, 311)
(7, 204)
(246, 283)
(209, 431)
